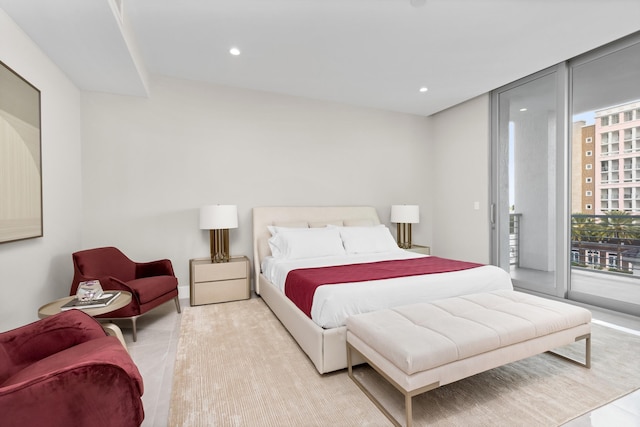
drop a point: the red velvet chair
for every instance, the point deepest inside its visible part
(65, 371)
(150, 283)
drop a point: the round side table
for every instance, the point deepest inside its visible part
(112, 329)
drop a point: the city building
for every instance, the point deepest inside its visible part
(617, 152)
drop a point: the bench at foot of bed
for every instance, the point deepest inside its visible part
(423, 346)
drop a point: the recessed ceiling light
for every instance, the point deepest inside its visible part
(423, 89)
(523, 109)
(234, 51)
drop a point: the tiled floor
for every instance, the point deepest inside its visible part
(154, 353)
(155, 350)
(624, 412)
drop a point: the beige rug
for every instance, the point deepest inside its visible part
(237, 366)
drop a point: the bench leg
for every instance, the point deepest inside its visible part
(408, 409)
(408, 396)
(587, 352)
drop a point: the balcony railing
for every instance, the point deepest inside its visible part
(514, 238)
(599, 242)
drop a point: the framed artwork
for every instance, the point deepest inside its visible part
(20, 159)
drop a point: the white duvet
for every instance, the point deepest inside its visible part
(332, 304)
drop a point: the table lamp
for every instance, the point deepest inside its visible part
(404, 216)
(218, 219)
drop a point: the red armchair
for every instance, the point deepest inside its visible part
(150, 283)
(64, 371)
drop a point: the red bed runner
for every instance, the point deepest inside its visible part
(301, 284)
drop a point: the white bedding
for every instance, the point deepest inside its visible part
(332, 304)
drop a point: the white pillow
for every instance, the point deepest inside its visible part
(306, 243)
(275, 229)
(363, 240)
(321, 224)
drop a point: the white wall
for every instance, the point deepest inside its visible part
(35, 271)
(460, 177)
(149, 164)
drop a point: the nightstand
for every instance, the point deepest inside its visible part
(219, 282)
(426, 250)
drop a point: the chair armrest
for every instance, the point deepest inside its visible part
(162, 267)
(95, 383)
(107, 283)
(110, 283)
(38, 340)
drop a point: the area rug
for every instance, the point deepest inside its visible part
(236, 365)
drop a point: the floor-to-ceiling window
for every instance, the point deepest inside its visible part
(566, 178)
(605, 176)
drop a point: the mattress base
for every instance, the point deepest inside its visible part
(325, 347)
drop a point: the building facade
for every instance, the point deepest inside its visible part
(617, 153)
(587, 139)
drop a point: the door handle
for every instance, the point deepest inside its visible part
(492, 214)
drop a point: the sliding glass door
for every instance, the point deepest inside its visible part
(528, 182)
(605, 238)
(565, 179)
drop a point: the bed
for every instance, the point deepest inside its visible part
(324, 341)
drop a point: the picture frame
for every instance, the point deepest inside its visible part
(20, 158)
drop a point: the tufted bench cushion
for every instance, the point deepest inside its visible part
(422, 346)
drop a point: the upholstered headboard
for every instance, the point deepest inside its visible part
(302, 216)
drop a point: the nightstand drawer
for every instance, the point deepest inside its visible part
(220, 291)
(220, 271)
(219, 282)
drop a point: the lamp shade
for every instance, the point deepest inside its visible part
(218, 217)
(405, 214)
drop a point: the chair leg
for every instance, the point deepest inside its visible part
(177, 300)
(135, 329)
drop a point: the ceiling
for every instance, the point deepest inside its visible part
(372, 53)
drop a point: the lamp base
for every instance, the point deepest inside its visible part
(403, 235)
(219, 241)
